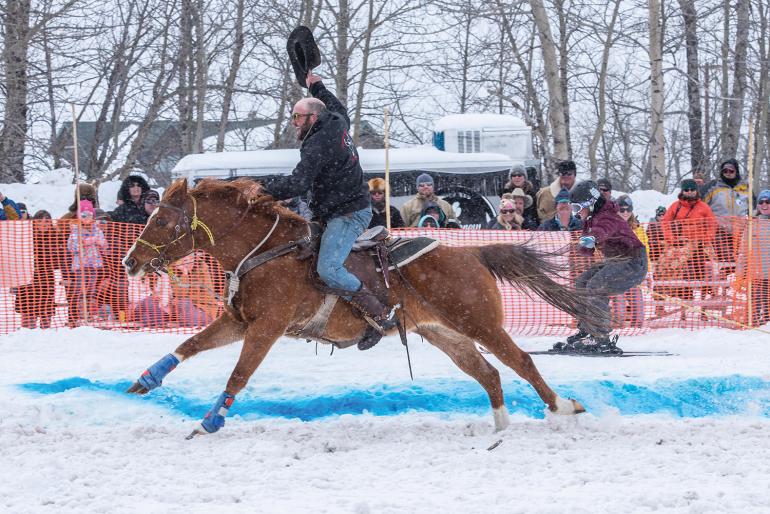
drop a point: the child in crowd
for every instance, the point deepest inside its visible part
(85, 243)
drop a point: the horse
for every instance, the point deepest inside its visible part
(449, 295)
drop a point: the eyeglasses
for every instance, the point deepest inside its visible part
(604, 190)
(729, 170)
(688, 189)
(625, 209)
(297, 115)
(152, 201)
(507, 211)
(764, 202)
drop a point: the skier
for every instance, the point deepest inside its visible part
(624, 265)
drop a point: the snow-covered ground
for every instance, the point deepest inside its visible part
(351, 433)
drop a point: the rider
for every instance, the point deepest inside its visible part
(624, 265)
(330, 169)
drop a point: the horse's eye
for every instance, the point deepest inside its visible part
(161, 222)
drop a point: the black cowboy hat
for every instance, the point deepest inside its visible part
(303, 53)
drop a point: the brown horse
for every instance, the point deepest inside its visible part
(450, 295)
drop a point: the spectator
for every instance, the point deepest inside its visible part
(132, 210)
(728, 199)
(298, 206)
(605, 188)
(523, 204)
(518, 180)
(432, 216)
(565, 219)
(758, 270)
(507, 217)
(84, 191)
(86, 242)
(630, 305)
(624, 265)
(150, 200)
(377, 197)
(35, 301)
(411, 211)
(23, 214)
(87, 192)
(688, 230)
(10, 210)
(188, 298)
(655, 234)
(546, 197)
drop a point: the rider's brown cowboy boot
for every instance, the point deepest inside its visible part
(375, 313)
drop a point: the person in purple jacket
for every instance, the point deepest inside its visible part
(624, 265)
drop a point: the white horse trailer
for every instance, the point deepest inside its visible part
(468, 178)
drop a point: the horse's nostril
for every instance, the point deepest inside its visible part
(129, 262)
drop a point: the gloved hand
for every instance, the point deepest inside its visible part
(588, 242)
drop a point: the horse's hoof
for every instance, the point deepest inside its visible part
(137, 388)
(579, 409)
(199, 430)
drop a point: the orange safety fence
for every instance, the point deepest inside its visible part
(53, 274)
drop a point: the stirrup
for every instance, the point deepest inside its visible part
(371, 337)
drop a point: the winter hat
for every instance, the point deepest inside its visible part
(424, 179)
(660, 211)
(150, 194)
(376, 184)
(604, 183)
(625, 201)
(689, 183)
(521, 194)
(506, 205)
(86, 206)
(518, 169)
(567, 168)
(22, 207)
(764, 195)
(563, 196)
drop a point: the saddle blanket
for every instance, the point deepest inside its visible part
(403, 250)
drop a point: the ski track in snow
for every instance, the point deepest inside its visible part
(94, 450)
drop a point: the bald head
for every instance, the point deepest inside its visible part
(305, 114)
(309, 106)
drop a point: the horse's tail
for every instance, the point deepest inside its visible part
(530, 270)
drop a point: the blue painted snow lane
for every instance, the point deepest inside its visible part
(695, 397)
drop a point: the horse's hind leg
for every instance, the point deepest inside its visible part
(257, 342)
(222, 331)
(497, 341)
(464, 354)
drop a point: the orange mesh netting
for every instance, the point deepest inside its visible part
(701, 274)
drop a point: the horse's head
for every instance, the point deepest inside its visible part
(168, 235)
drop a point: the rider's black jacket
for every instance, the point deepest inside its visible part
(329, 167)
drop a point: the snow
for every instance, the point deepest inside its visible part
(478, 121)
(686, 433)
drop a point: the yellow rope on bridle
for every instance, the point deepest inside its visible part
(195, 223)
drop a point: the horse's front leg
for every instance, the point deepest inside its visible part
(222, 331)
(256, 343)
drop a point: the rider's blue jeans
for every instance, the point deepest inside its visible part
(337, 241)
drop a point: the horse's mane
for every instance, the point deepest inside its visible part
(236, 192)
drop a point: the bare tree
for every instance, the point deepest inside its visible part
(657, 144)
(553, 81)
(735, 114)
(694, 114)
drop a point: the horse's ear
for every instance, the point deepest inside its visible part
(177, 192)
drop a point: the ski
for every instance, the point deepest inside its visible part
(578, 353)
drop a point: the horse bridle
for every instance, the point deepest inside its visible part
(184, 226)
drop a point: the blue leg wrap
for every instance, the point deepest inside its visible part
(154, 375)
(215, 419)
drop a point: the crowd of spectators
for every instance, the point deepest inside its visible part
(705, 225)
(86, 246)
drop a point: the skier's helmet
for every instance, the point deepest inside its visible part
(584, 195)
